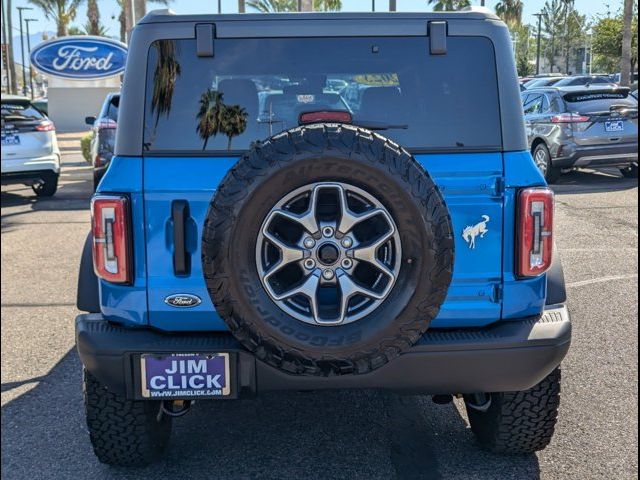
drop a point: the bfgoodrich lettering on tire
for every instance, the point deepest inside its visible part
(328, 250)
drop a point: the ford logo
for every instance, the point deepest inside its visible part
(80, 57)
(182, 300)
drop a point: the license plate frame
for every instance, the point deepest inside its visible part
(614, 126)
(151, 364)
(11, 134)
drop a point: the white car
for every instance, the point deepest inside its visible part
(30, 153)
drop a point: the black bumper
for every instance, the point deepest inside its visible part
(508, 356)
(27, 177)
(616, 155)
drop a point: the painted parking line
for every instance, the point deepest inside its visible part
(591, 281)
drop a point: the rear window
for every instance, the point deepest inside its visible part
(112, 108)
(19, 112)
(254, 88)
(597, 101)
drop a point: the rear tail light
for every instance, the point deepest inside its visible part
(98, 161)
(45, 126)
(535, 231)
(569, 118)
(110, 225)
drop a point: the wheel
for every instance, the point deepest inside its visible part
(327, 250)
(123, 432)
(48, 186)
(517, 422)
(542, 159)
(631, 171)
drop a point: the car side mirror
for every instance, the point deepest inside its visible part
(89, 120)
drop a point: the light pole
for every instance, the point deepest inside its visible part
(26, 22)
(24, 68)
(539, 15)
(373, 5)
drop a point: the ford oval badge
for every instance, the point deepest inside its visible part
(80, 57)
(182, 300)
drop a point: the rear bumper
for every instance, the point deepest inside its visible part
(573, 155)
(28, 177)
(508, 356)
(24, 170)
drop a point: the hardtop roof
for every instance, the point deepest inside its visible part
(168, 16)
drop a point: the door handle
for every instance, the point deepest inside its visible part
(181, 257)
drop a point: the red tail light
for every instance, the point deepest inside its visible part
(98, 161)
(569, 118)
(535, 231)
(111, 238)
(339, 116)
(45, 126)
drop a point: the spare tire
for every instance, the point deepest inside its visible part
(327, 249)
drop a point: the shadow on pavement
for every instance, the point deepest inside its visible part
(593, 181)
(323, 435)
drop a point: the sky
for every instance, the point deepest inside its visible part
(109, 10)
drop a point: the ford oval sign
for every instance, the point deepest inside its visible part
(80, 57)
(182, 300)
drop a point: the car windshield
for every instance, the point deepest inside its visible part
(570, 81)
(542, 82)
(19, 111)
(112, 109)
(254, 88)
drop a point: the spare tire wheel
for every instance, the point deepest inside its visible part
(328, 250)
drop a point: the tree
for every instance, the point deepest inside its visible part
(209, 115)
(510, 11)
(93, 25)
(607, 44)
(63, 12)
(12, 64)
(551, 21)
(233, 121)
(74, 30)
(448, 5)
(625, 60)
(165, 77)
(241, 6)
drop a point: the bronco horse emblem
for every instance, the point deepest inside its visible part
(472, 231)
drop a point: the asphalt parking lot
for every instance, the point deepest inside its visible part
(328, 435)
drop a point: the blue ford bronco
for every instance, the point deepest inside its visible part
(312, 201)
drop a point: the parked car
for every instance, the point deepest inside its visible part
(228, 263)
(578, 80)
(615, 78)
(30, 153)
(542, 82)
(104, 135)
(589, 126)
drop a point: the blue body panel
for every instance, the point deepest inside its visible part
(484, 288)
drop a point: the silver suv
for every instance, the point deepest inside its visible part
(584, 126)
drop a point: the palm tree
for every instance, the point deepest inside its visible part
(448, 5)
(209, 115)
(93, 25)
(233, 121)
(510, 11)
(269, 6)
(164, 78)
(241, 6)
(63, 12)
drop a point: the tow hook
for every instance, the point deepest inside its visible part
(174, 408)
(479, 401)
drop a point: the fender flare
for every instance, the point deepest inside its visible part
(556, 289)
(88, 296)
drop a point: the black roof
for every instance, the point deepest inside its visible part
(168, 16)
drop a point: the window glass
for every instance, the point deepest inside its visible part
(533, 105)
(19, 111)
(254, 88)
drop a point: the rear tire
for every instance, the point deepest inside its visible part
(123, 432)
(631, 171)
(542, 159)
(48, 187)
(518, 422)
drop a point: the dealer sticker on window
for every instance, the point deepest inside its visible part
(185, 375)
